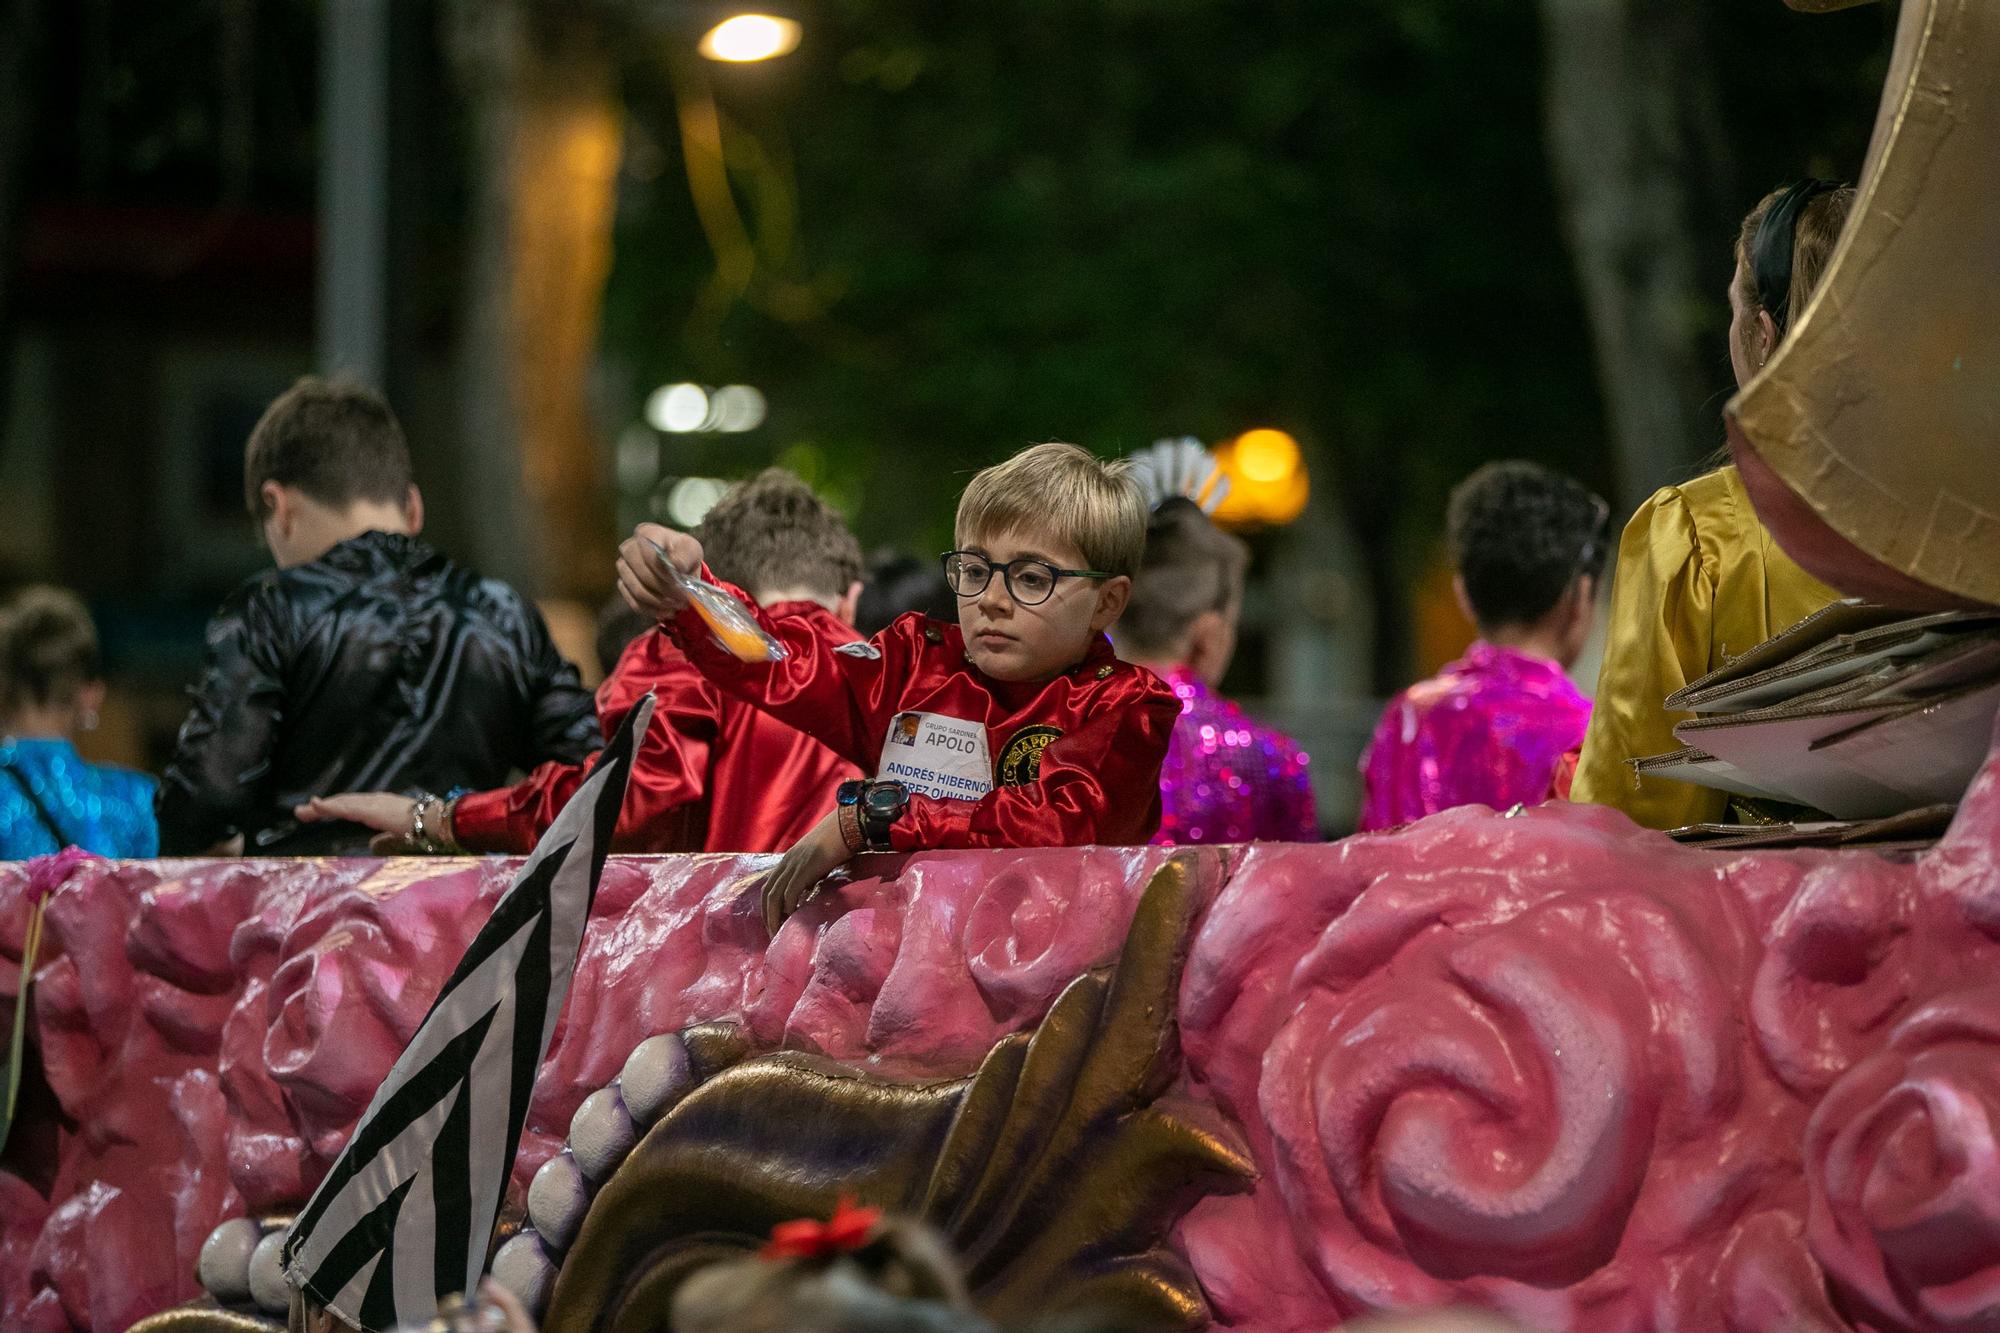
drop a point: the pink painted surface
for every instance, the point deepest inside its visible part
(1552, 1065)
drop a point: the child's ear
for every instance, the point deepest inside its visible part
(277, 505)
(1585, 611)
(413, 508)
(1112, 595)
(1464, 600)
(849, 603)
(1211, 643)
(1767, 337)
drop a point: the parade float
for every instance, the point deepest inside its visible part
(1545, 1062)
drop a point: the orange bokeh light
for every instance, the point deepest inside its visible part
(1268, 485)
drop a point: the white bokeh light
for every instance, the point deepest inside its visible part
(738, 408)
(691, 498)
(677, 408)
(638, 460)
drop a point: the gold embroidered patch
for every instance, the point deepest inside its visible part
(1021, 760)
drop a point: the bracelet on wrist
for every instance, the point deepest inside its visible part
(446, 832)
(430, 825)
(419, 835)
(849, 819)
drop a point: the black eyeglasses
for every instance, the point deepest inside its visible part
(1029, 582)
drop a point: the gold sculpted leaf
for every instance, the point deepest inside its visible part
(1052, 1170)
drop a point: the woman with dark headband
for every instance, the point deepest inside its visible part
(1699, 580)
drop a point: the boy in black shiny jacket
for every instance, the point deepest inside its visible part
(366, 660)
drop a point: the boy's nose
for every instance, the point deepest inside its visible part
(994, 596)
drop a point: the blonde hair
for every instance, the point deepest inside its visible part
(48, 649)
(1067, 493)
(1191, 566)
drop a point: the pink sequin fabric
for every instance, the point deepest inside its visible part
(1489, 729)
(1227, 779)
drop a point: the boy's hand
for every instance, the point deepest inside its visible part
(647, 588)
(811, 859)
(383, 811)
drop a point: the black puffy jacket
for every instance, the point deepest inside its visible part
(381, 666)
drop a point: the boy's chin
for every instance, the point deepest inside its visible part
(997, 665)
(1010, 665)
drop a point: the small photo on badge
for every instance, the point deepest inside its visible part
(903, 731)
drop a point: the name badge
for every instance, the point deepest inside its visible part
(939, 756)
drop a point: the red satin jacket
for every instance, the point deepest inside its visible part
(712, 775)
(1075, 760)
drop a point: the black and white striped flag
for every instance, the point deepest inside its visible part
(405, 1216)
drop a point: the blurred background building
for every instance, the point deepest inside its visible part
(604, 255)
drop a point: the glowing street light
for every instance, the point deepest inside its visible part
(691, 498)
(678, 409)
(736, 408)
(1266, 455)
(688, 409)
(1268, 484)
(743, 38)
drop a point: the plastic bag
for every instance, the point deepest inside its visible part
(732, 624)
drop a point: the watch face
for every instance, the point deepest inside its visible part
(886, 800)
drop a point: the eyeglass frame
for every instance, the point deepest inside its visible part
(1006, 573)
(1597, 543)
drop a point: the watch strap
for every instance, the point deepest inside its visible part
(848, 816)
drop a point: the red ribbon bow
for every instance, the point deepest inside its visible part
(808, 1238)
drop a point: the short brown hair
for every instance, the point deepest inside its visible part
(773, 534)
(48, 648)
(1816, 232)
(1521, 535)
(1190, 566)
(336, 441)
(1067, 492)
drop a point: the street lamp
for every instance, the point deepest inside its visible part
(742, 38)
(1268, 485)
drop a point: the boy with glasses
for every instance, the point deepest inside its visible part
(1016, 728)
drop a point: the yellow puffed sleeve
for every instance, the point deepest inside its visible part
(1662, 612)
(1699, 582)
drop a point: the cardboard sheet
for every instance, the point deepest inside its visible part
(1914, 829)
(1852, 760)
(1821, 662)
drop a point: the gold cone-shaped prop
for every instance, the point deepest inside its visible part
(1871, 443)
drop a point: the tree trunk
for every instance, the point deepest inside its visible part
(20, 45)
(1621, 78)
(541, 83)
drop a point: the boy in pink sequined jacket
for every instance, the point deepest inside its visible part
(1493, 728)
(1226, 779)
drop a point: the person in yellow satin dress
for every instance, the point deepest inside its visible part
(1699, 579)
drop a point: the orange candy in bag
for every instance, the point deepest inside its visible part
(731, 623)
